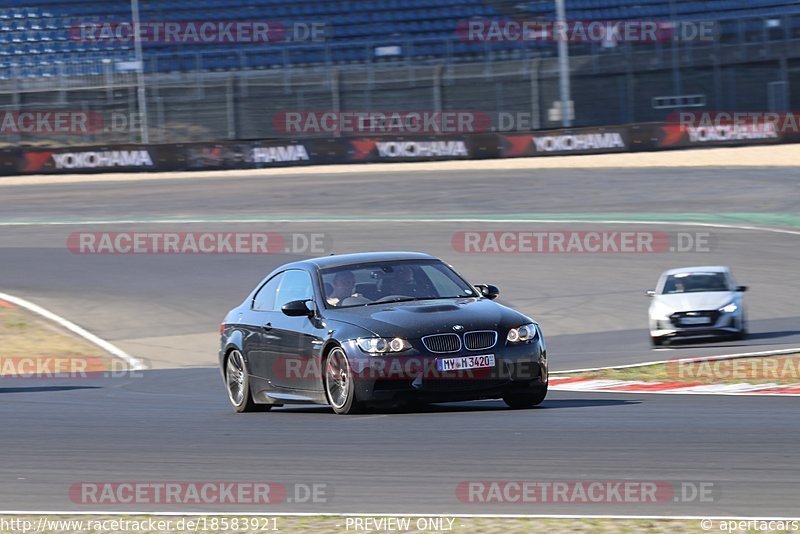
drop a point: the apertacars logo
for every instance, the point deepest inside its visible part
(38, 161)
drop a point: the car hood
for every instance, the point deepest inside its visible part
(707, 300)
(423, 317)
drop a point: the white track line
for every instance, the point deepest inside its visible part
(135, 364)
(323, 220)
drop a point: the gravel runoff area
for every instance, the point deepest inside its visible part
(34, 348)
(750, 156)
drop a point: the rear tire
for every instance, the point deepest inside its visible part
(339, 386)
(526, 399)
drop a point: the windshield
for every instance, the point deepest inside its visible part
(394, 281)
(695, 283)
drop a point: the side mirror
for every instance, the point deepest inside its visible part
(489, 291)
(741, 289)
(298, 308)
(650, 293)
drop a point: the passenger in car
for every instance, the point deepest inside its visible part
(343, 285)
(403, 282)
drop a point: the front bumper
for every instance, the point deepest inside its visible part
(413, 375)
(673, 326)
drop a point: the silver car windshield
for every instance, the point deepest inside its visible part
(695, 283)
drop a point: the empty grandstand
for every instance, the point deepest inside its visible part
(381, 54)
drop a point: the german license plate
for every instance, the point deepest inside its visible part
(696, 320)
(465, 362)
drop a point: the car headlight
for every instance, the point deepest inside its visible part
(730, 308)
(382, 345)
(526, 332)
(660, 312)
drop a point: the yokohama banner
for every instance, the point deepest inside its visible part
(287, 152)
(88, 159)
(565, 142)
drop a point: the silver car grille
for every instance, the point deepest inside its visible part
(475, 340)
(480, 339)
(442, 343)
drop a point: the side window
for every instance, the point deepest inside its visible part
(295, 285)
(265, 298)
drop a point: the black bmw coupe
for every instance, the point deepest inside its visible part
(364, 330)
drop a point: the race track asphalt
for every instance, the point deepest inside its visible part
(173, 423)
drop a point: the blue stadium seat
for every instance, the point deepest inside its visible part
(37, 36)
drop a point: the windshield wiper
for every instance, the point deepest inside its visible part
(402, 299)
(409, 299)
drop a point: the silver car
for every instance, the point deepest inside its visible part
(697, 301)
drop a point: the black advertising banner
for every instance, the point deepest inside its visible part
(286, 153)
(408, 149)
(677, 135)
(8, 161)
(66, 160)
(215, 156)
(282, 153)
(262, 154)
(564, 142)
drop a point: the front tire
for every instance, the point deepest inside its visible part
(527, 399)
(742, 333)
(237, 382)
(656, 341)
(339, 386)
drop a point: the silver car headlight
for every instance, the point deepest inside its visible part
(660, 312)
(729, 308)
(382, 345)
(526, 332)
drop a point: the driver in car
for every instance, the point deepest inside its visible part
(403, 282)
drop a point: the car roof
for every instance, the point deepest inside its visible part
(702, 269)
(340, 260)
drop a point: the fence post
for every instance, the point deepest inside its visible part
(336, 97)
(437, 89)
(230, 107)
(536, 113)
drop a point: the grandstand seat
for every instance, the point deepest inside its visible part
(40, 32)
